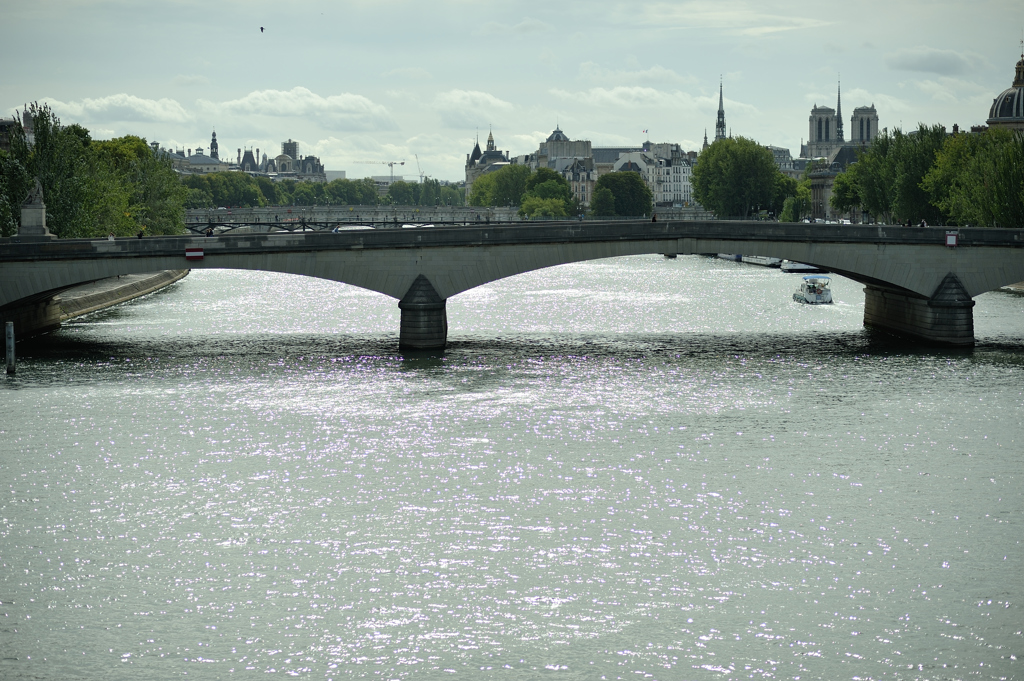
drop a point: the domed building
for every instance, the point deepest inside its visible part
(1008, 108)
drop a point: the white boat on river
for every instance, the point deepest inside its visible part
(799, 267)
(762, 260)
(814, 291)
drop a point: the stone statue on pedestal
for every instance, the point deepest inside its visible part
(33, 215)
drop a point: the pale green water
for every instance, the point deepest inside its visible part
(637, 468)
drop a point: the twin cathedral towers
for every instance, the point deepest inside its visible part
(825, 133)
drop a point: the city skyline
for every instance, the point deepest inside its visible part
(353, 81)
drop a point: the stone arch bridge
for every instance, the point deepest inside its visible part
(915, 283)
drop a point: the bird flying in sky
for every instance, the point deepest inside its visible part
(261, 29)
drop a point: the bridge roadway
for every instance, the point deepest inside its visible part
(915, 285)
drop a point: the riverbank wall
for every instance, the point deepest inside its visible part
(47, 314)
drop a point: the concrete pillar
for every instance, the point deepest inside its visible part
(424, 319)
(946, 318)
(9, 333)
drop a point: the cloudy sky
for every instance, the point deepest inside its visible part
(362, 80)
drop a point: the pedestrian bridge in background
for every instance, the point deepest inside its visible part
(915, 284)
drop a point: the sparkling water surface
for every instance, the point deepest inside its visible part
(632, 468)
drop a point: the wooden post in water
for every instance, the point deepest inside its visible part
(10, 347)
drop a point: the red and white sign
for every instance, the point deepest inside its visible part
(952, 238)
(193, 254)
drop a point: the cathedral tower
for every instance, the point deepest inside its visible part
(720, 123)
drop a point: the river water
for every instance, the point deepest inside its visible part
(638, 468)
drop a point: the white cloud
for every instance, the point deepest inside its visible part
(470, 108)
(932, 60)
(736, 17)
(120, 107)
(656, 74)
(641, 97)
(336, 112)
(525, 27)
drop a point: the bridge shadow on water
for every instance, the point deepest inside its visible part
(78, 354)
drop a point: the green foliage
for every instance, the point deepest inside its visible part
(979, 179)
(602, 204)
(785, 188)
(483, 190)
(631, 195)
(547, 194)
(795, 207)
(845, 192)
(888, 177)
(60, 159)
(154, 198)
(403, 193)
(912, 156)
(91, 188)
(510, 183)
(536, 206)
(15, 184)
(228, 189)
(736, 175)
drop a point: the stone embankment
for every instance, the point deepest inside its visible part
(48, 314)
(105, 293)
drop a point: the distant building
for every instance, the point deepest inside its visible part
(864, 125)
(7, 126)
(784, 162)
(290, 148)
(481, 162)
(1007, 109)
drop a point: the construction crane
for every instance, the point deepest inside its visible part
(418, 167)
(389, 164)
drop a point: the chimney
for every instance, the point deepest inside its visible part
(189, 152)
(239, 156)
(257, 154)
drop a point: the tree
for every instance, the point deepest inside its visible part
(509, 185)
(92, 188)
(632, 197)
(59, 158)
(482, 193)
(547, 194)
(401, 193)
(889, 176)
(15, 184)
(535, 206)
(603, 202)
(734, 176)
(845, 192)
(785, 188)
(155, 198)
(978, 179)
(912, 156)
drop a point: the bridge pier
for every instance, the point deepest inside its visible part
(946, 318)
(424, 323)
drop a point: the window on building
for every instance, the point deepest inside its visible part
(819, 128)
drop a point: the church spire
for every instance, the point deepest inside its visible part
(720, 123)
(839, 112)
